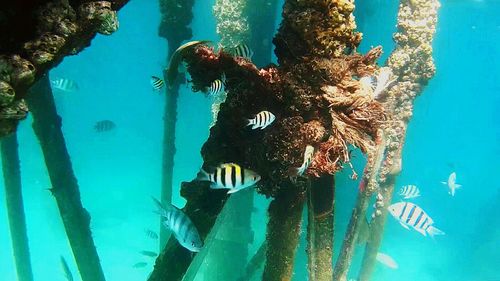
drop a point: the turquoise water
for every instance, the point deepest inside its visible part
(455, 127)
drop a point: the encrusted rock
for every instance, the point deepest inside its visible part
(7, 94)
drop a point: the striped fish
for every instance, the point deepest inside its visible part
(67, 271)
(104, 126)
(409, 191)
(308, 156)
(218, 86)
(229, 176)
(261, 120)
(181, 226)
(148, 253)
(151, 234)
(411, 215)
(242, 50)
(64, 84)
(157, 83)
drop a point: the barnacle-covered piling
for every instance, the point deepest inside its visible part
(76, 219)
(15, 207)
(175, 28)
(36, 36)
(320, 203)
(413, 64)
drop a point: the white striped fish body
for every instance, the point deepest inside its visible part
(181, 226)
(261, 120)
(64, 84)
(230, 176)
(242, 50)
(411, 215)
(157, 83)
(308, 156)
(409, 191)
(218, 86)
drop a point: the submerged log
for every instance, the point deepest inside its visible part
(76, 220)
(176, 18)
(412, 63)
(35, 36)
(15, 207)
(283, 232)
(320, 203)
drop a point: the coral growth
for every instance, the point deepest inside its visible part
(175, 20)
(45, 32)
(232, 24)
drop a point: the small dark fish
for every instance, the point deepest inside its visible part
(67, 271)
(149, 253)
(151, 234)
(157, 83)
(140, 264)
(104, 126)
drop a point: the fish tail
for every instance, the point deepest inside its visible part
(434, 231)
(202, 175)
(250, 122)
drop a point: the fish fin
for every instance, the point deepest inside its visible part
(458, 185)
(404, 225)
(214, 185)
(263, 127)
(202, 175)
(250, 122)
(434, 231)
(445, 183)
(421, 231)
(255, 126)
(231, 191)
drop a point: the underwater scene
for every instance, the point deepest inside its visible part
(243, 140)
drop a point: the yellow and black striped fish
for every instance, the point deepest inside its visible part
(229, 176)
(261, 120)
(157, 83)
(242, 50)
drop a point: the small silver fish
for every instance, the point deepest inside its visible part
(229, 176)
(64, 84)
(140, 264)
(411, 215)
(242, 50)
(151, 234)
(148, 253)
(261, 120)
(452, 183)
(308, 156)
(387, 260)
(67, 271)
(181, 226)
(409, 191)
(157, 83)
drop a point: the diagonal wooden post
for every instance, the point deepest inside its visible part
(76, 220)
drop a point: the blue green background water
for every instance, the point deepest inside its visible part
(455, 127)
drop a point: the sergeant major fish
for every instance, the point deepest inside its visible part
(411, 215)
(409, 191)
(242, 50)
(104, 126)
(229, 176)
(64, 84)
(261, 120)
(452, 183)
(157, 83)
(181, 226)
(218, 86)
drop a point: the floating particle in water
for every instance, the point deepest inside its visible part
(104, 126)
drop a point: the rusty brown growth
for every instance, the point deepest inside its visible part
(37, 36)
